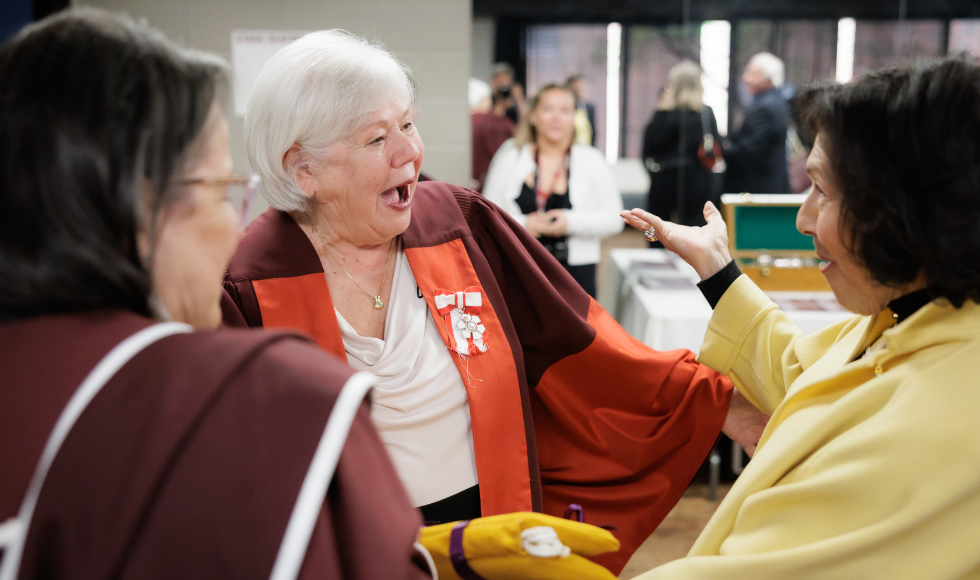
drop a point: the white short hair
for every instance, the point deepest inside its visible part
(772, 66)
(313, 92)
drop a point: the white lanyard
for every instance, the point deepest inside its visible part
(14, 531)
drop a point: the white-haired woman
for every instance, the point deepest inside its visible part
(679, 181)
(469, 324)
(563, 192)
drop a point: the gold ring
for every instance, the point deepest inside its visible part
(650, 235)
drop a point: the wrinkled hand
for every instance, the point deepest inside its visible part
(705, 248)
(744, 423)
(558, 223)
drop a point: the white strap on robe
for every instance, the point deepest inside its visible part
(299, 530)
(13, 532)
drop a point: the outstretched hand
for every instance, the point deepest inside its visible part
(705, 247)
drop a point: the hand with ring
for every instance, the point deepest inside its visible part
(705, 248)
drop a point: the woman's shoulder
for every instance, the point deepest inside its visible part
(938, 343)
(265, 362)
(510, 150)
(589, 155)
(587, 151)
(661, 116)
(509, 145)
(434, 197)
(444, 210)
(273, 246)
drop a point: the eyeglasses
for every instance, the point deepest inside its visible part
(240, 190)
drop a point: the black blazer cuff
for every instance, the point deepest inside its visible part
(715, 286)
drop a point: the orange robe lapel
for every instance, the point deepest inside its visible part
(301, 303)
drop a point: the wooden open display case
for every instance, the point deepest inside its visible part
(764, 241)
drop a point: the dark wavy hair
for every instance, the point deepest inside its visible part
(904, 145)
(97, 116)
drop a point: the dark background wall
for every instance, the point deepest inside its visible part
(661, 12)
(15, 14)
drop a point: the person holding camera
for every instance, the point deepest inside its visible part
(508, 95)
(563, 193)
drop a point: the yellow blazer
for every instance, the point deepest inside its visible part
(868, 469)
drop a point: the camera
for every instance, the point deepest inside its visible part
(503, 92)
(557, 247)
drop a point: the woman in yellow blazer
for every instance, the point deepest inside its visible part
(870, 466)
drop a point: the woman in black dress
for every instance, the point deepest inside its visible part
(679, 182)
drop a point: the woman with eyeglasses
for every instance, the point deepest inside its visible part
(136, 441)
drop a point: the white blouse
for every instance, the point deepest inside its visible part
(419, 403)
(596, 202)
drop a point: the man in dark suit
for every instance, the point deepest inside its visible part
(756, 154)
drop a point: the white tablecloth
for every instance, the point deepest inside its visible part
(659, 304)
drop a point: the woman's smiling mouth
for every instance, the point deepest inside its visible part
(398, 198)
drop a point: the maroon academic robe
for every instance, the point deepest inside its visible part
(565, 406)
(189, 461)
(489, 132)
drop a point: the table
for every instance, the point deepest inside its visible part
(658, 302)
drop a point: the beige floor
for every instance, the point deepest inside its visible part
(677, 532)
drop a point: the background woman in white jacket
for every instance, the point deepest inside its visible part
(563, 193)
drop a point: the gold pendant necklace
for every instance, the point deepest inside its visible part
(378, 304)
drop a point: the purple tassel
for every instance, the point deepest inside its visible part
(575, 512)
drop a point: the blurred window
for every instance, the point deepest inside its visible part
(964, 35)
(808, 49)
(556, 52)
(883, 44)
(651, 51)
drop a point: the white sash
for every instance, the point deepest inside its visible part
(13, 532)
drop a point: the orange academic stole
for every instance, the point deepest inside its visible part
(468, 324)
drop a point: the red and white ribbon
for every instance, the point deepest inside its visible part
(461, 310)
